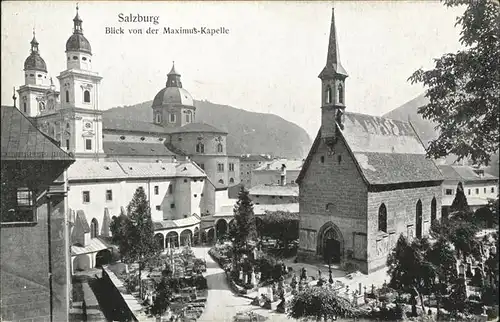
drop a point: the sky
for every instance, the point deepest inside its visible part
(268, 62)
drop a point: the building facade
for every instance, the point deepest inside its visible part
(270, 172)
(182, 165)
(248, 162)
(365, 181)
(479, 187)
(34, 227)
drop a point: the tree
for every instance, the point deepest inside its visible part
(410, 269)
(319, 302)
(244, 218)
(163, 297)
(460, 204)
(281, 225)
(463, 87)
(135, 234)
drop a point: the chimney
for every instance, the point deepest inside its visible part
(283, 174)
(14, 96)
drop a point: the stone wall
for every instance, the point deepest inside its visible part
(332, 190)
(401, 219)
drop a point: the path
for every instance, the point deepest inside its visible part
(222, 305)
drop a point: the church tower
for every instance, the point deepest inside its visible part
(32, 93)
(173, 106)
(332, 89)
(79, 87)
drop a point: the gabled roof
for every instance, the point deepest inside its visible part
(81, 223)
(385, 151)
(22, 140)
(275, 190)
(112, 148)
(464, 173)
(129, 125)
(108, 170)
(197, 128)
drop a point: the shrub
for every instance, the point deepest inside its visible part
(474, 307)
(492, 312)
(489, 295)
(200, 282)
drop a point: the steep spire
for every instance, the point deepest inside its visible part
(173, 78)
(333, 65)
(77, 22)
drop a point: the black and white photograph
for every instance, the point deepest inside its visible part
(250, 161)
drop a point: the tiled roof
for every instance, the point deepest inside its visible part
(92, 170)
(81, 224)
(277, 164)
(290, 207)
(275, 190)
(386, 151)
(196, 128)
(21, 140)
(184, 222)
(463, 173)
(95, 245)
(116, 124)
(136, 149)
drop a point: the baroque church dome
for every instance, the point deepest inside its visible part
(77, 41)
(34, 60)
(173, 93)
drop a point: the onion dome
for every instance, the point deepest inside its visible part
(77, 41)
(173, 93)
(34, 60)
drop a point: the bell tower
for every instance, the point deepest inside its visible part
(332, 78)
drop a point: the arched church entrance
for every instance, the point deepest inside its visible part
(330, 243)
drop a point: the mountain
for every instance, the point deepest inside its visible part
(427, 130)
(249, 132)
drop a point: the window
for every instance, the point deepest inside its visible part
(448, 192)
(492, 189)
(382, 218)
(202, 166)
(170, 189)
(341, 94)
(328, 94)
(200, 148)
(158, 118)
(231, 180)
(468, 192)
(433, 209)
(221, 181)
(109, 195)
(339, 158)
(418, 220)
(231, 167)
(41, 106)
(88, 144)
(67, 144)
(94, 228)
(157, 190)
(484, 190)
(172, 205)
(24, 107)
(220, 148)
(84, 58)
(220, 167)
(172, 118)
(75, 58)
(322, 159)
(477, 191)
(86, 96)
(188, 119)
(86, 196)
(158, 207)
(67, 96)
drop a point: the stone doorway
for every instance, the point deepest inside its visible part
(330, 243)
(332, 251)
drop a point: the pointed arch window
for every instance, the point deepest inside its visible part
(200, 148)
(41, 106)
(220, 148)
(341, 94)
(25, 109)
(86, 96)
(433, 209)
(94, 228)
(158, 118)
(328, 94)
(382, 218)
(418, 219)
(67, 96)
